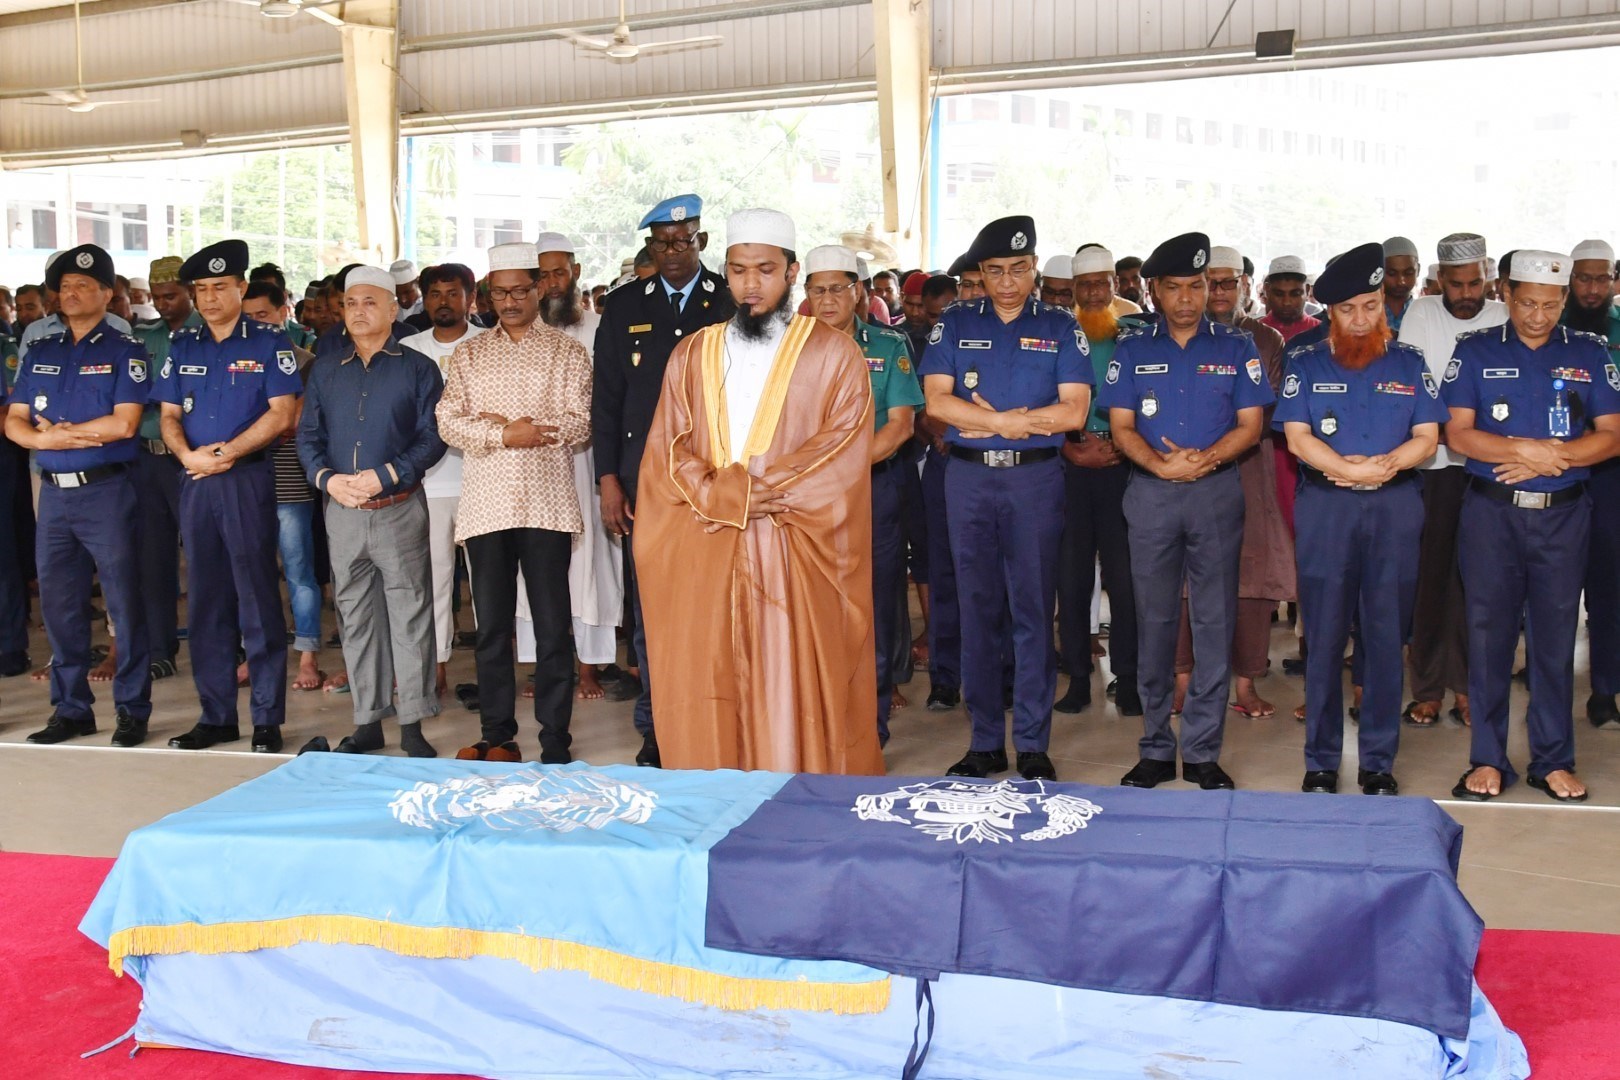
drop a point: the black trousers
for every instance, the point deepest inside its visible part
(1093, 528)
(493, 561)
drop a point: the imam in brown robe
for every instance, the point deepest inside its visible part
(759, 634)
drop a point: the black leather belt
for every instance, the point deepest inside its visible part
(1216, 471)
(1405, 476)
(1005, 459)
(1526, 500)
(157, 447)
(80, 479)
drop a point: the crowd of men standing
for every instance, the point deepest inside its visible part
(1423, 475)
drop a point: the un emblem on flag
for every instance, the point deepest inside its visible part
(962, 811)
(528, 798)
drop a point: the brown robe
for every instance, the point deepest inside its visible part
(1266, 568)
(760, 635)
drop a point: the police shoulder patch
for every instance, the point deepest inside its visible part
(1453, 369)
(1113, 372)
(168, 367)
(1291, 385)
(1428, 384)
(904, 363)
(137, 369)
(1613, 373)
(1254, 369)
(286, 362)
(937, 334)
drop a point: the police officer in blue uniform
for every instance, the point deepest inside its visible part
(1185, 396)
(77, 404)
(229, 389)
(1360, 412)
(1008, 375)
(1534, 405)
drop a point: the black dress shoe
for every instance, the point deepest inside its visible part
(267, 739)
(980, 763)
(1377, 783)
(1127, 702)
(1207, 775)
(60, 728)
(317, 745)
(130, 731)
(648, 754)
(1321, 782)
(555, 755)
(943, 698)
(1149, 772)
(1076, 699)
(1035, 765)
(202, 736)
(1112, 688)
(1293, 666)
(1601, 711)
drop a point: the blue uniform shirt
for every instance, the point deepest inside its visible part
(75, 381)
(1371, 411)
(1011, 365)
(1510, 388)
(222, 387)
(1190, 395)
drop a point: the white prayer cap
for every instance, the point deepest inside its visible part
(369, 275)
(1586, 249)
(1095, 259)
(141, 283)
(1058, 266)
(1539, 268)
(513, 257)
(831, 257)
(1490, 269)
(1225, 258)
(761, 226)
(554, 241)
(403, 271)
(1458, 249)
(1286, 264)
(865, 270)
(1432, 273)
(50, 259)
(1397, 246)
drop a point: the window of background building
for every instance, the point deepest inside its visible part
(1023, 109)
(487, 232)
(1212, 133)
(1184, 129)
(1313, 145)
(31, 224)
(1290, 142)
(1125, 122)
(1090, 118)
(92, 223)
(1240, 137)
(1336, 147)
(1155, 125)
(506, 147)
(1265, 140)
(986, 108)
(132, 227)
(1058, 115)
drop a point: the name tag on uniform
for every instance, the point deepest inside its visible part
(1217, 369)
(1329, 388)
(1035, 344)
(641, 328)
(1501, 373)
(1572, 374)
(874, 364)
(96, 369)
(193, 369)
(1394, 388)
(1152, 369)
(972, 344)
(47, 369)
(245, 367)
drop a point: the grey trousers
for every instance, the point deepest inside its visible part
(382, 584)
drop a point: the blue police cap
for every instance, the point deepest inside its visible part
(86, 259)
(1350, 274)
(1004, 238)
(1186, 255)
(228, 258)
(686, 207)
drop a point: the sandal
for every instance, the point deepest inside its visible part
(1254, 714)
(161, 669)
(1413, 718)
(1462, 790)
(1541, 785)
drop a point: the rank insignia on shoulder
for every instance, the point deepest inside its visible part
(1081, 343)
(708, 286)
(168, 366)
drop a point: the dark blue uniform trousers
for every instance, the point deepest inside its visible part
(157, 487)
(1357, 553)
(13, 574)
(1094, 528)
(1190, 533)
(1006, 527)
(82, 532)
(643, 715)
(944, 613)
(1524, 564)
(888, 568)
(1603, 579)
(228, 523)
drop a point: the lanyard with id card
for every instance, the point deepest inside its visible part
(1558, 425)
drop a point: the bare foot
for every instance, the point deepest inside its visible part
(1464, 714)
(1097, 648)
(527, 693)
(1356, 697)
(1422, 713)
(333, 684)
(442, 681)
(40, 674)
(897, 700)
(1180, 697)
(1486, 781)
(309, 676)
(590, 688)
(1564, 784)
(919, 649)
(1250, 703)
(104, 671)
(1299, 712)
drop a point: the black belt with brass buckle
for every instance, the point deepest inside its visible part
(80, 479)
(1526, 500)
(1005, 459)
(1317, 477)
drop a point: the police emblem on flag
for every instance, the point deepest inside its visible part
(527, 798)
(137, 370)
(980, 813)
(1291, 385)
(286, 362)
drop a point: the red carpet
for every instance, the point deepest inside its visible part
(57, 998)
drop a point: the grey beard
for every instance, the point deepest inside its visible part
(757, 327)
(562, 311)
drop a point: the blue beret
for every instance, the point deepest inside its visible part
(686, 207)
(1348, 275)
(86, 259)
(228, 258)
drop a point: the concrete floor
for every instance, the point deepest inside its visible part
(1527, 862)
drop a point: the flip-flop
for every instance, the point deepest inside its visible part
(1409, 718)
(1461, 791)
(1541, 785)
(1461, 717)
(1253, 714)
(162, 669)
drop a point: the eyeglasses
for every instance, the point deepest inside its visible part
(1551, 308)
(816, 292)
(677, 246)
(996, 273)
(1223, 284)
(520, 293)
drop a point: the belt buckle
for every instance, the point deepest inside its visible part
(68, 479)
(1001, 459)
(1530, 500)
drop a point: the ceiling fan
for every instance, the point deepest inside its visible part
(287, 9)
(622, 47)
(76, 100)
(870, 246)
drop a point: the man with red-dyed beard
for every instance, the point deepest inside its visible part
(1360, 412)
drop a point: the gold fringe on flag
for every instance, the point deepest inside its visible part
(536, 954)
